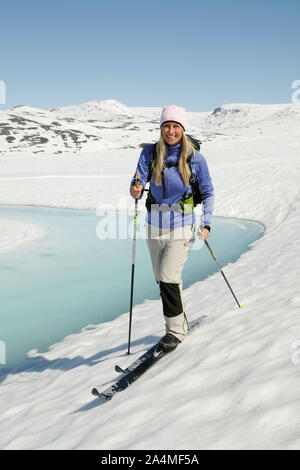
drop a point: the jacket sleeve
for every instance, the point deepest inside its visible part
(143, 166)
(206, 188)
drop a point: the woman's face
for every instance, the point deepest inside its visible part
(172, 132)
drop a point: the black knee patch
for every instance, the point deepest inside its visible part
(171, 299)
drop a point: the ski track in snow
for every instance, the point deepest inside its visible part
(234, 383)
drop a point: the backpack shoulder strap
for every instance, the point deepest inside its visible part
(152, 162)
(189, 161)
(196, 143)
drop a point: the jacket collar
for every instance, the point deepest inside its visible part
(173, 150)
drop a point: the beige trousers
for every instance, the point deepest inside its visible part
(169, 251)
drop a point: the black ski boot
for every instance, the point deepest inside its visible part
(168, 343)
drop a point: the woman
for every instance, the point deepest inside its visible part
(170, 219)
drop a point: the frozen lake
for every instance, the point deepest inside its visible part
(71, 279)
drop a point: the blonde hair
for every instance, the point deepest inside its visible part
(183, 167)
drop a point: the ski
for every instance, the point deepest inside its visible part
(137, 368)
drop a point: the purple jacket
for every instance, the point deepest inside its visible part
(175, 188)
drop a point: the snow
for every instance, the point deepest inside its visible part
(234, 383)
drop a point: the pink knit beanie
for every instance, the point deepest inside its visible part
(173, 113)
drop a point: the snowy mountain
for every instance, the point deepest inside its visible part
(92, 126)
(108, 124)
(251, 116)
(98, 110)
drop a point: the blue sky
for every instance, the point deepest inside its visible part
(195, 53)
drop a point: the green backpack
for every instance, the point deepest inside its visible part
(189, 201)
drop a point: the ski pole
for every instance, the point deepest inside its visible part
(133, 261)
(220, 269)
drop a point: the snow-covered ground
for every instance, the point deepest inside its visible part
(235, 382)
